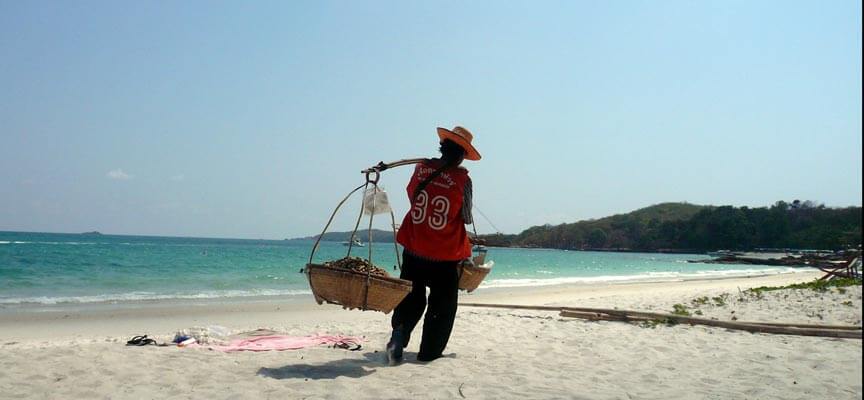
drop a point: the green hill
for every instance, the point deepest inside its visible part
(689, 227)
(664, 212)
(628, 231)
(378, 236)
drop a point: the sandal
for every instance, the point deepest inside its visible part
(140, 341)
(346, 346)
(135, 340)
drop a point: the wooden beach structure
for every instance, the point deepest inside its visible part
(845, 269)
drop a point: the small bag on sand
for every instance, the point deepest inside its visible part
(213, 334)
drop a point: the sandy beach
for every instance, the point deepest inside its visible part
(79, 351)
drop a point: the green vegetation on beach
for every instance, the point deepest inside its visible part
(817, 285)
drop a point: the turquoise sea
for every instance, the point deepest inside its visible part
(51, 268)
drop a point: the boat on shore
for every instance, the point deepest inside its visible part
(356, 242)
(723, 253)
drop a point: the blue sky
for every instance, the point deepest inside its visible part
(253, 119)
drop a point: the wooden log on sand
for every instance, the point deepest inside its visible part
(814, 326)
(604, 314)
(513, 306)
(686, 319)
(755, 327)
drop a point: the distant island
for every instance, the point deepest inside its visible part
(378, 236)
(91, 233)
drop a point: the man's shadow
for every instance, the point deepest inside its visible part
(351, 368)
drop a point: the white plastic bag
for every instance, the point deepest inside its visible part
(375, 201)
(212, 334)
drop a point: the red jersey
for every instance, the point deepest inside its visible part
(434, 227)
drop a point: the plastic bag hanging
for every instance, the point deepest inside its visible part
(375, 201)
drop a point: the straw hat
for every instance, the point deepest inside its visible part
(462, 137)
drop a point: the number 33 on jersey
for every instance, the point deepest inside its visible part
(437, 218)
(434, 228)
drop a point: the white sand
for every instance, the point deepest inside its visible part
(78, 352)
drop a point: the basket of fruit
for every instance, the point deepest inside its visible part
(353, 282)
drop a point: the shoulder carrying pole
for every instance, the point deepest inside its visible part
(381, 166)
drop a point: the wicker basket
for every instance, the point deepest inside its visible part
(470, 276)
(356, 290)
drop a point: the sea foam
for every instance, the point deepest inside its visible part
(148, 296)
(643, 277)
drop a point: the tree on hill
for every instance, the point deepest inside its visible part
(688, 227)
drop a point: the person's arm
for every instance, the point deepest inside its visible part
(468, 203)
(467, 207)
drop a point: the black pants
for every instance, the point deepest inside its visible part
(443, 281)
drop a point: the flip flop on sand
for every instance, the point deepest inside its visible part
(140, 341)
(346, 346)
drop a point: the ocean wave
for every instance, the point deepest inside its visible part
(54, 243)
(644, 277)
(145, 296)
(106, 243)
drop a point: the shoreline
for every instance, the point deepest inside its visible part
(80, 353)
(128, 318)
(121, 299)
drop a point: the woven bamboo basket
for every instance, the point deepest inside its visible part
(470, 276)
(356, 290)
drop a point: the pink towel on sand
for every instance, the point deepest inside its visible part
(278, 342)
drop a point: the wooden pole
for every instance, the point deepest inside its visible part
(605, 314)
(512, 306)
(749, 327)
(685, 319)
(381, 166)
